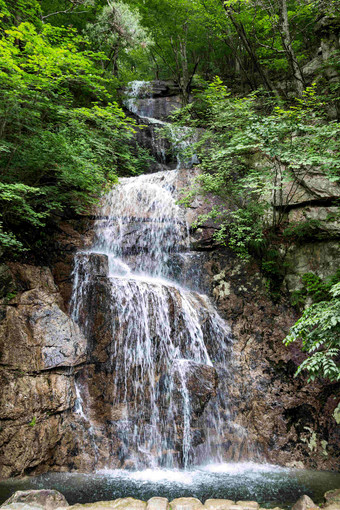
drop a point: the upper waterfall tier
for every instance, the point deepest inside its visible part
(140, 217)
(170, 145)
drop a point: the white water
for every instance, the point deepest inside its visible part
(161, 332)
(180, 138)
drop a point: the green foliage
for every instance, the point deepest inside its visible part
(33, 422)
(303, 230)
(319, 331)
(249, 156)
(315, 288)
(63, 137)
(242, 230)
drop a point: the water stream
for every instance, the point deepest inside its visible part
(160, 335)
(160, 331)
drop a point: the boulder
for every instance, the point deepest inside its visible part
(332, 497)
(248, 504)
(22, 506)
(37, 335)
(117, 504)
(48, 499)
(218, 504)
(304, 503)
(186, 504)
(201, 381)
(157, 504)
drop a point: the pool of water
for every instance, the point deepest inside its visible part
(269, 485)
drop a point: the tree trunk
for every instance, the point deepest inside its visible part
(249, 49)
(287, 45)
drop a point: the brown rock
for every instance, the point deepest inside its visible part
(157, 504)
(304, 503)
(186, 504)
(36, 334)
(332, 496)
(47, 498)
(24, 397)
(218, 504)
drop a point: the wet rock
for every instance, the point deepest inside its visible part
(201, 381)
(186, 504)
(21, 506)
(218, 504)
(117, 504)
(304, 503)
(49, 499)
(159, 108)
(248, 504)
(157, 504)
(332, 497)
(36, 334)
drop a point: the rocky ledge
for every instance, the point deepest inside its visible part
(54, 500)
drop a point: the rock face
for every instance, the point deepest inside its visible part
(39, 343)
(42, 352)
(47, 499)
(304, 503)
(117, 504)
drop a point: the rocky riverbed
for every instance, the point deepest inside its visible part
(54, 500)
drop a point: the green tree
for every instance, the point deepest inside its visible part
(319, 331)
(63, 138)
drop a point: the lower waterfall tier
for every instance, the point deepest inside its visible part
(151, 341)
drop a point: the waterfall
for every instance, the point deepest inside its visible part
(169, 143)
(153, 338)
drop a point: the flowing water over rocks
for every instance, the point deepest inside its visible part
(152, 103)
(156, 380)
(151, 387)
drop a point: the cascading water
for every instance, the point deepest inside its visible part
(170, 144)
(152, 339)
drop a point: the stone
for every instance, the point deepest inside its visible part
(201, 381)
(304, 503)
(218, 504)
(186, 504)
(22, 506)
(37, 335)
(248, 504)
(30, 445)
(98, 505)
(332, 496)
(48, 499)
(24, 397)
(117, 504)
(320, 258)
(333, 506)
(157, 504)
